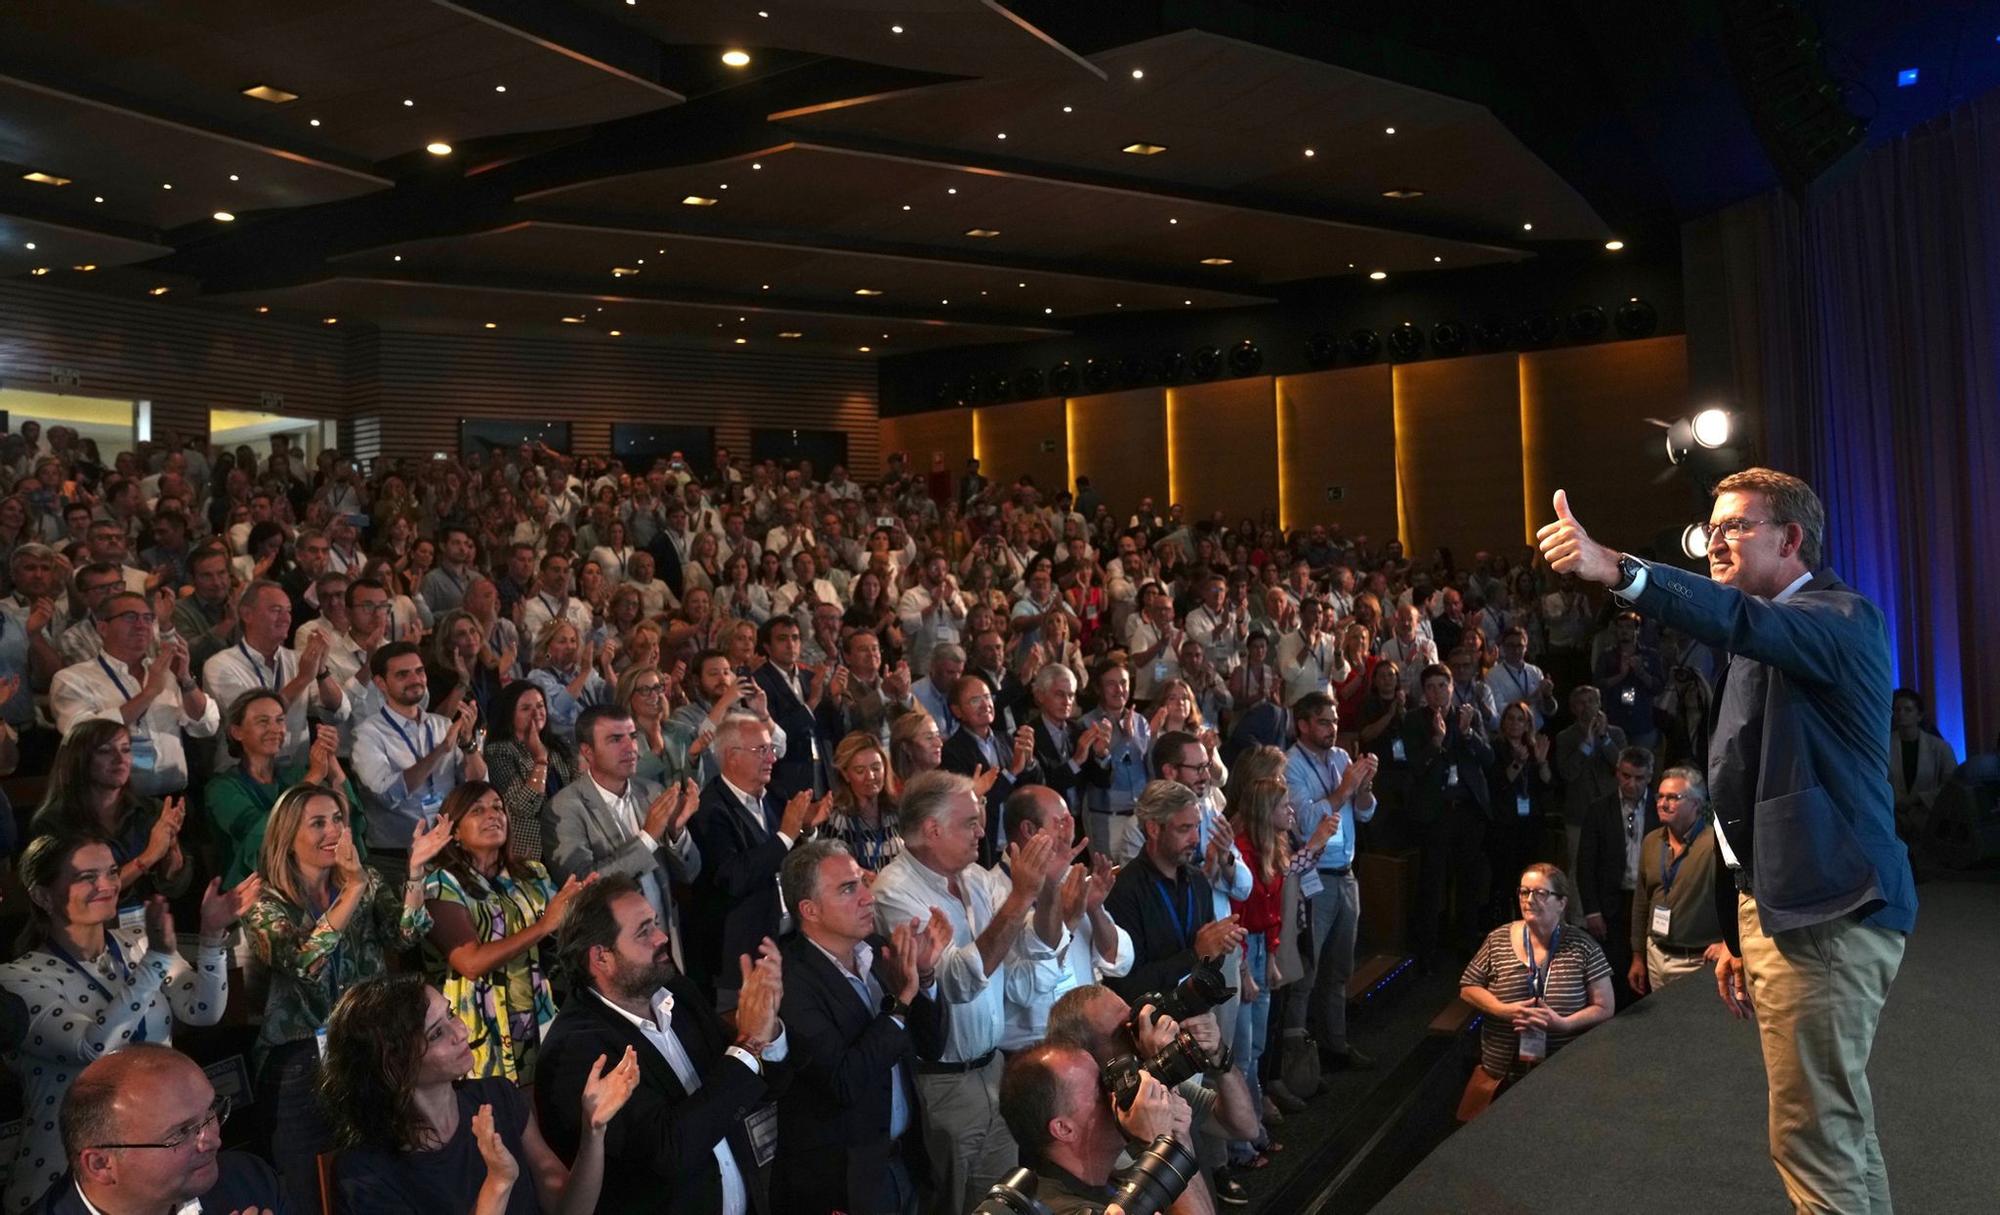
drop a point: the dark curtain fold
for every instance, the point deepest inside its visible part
(1865, 329)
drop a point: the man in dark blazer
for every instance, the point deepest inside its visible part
(1612, 828)
(1798, 774)
(696, 1136)
(977, 744)
(117, 1119)
(861, 1011)
(794, 693)
(743, 832)
(1070, 755)
(1448, 803)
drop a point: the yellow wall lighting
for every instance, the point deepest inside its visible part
(1396, 416)
(1284, 465)
(1173, 446)
(979, 441)
(1069, 439)
(1528, 469)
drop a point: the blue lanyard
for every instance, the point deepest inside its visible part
(1183, 920)
(1669, 872)
(114, 677)
(415, 756)
(257, 665)
(1538, 980)
(90, 977)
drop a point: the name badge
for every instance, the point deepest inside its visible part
(1397, 751)
(1310, 884)
(1534, 1045)
(431, 803)
(1160, 672)
(1662, 918)
(1523, 806)
(145, 756)
(1451, 776)
(947, 634)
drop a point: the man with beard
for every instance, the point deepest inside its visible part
(719, 689)
(697, 1134)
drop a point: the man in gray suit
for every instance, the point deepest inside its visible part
(1798, 774)
(609, 821)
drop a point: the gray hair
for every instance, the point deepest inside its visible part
(1050, 672)
(798, 878)
(929, 794)
(1695, 785)
(947, 651)
(1637, 757)
(734, 725)
(1160, 800)
(248, 599)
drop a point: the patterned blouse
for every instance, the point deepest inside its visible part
(873, 847)
(1578, 963)
(508, 764)
(79, 1010)
(505, 1011)
(312, 963)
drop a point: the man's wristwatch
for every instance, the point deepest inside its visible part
(1629, 569)
(894, 1006)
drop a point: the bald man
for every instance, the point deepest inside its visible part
(143, 1132)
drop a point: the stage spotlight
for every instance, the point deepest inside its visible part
(1709, 428)
(1097, 374)
(1207, 363)
(1406, 341)
(1170, 367)
(1028, 382)
(1448, 337)
(1062, 378)
(1635, 318)
(1363, 345)
(1322, 350)
(1694, 540)
(1245, 358)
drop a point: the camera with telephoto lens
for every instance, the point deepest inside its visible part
(1153, 1182)
(1182, 1059)
(1198, 991)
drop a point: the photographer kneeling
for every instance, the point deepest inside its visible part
(1071, 1132)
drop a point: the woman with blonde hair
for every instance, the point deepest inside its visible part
(915, 745)
(1261, 813)
(864, 811)
(566, 670)
(663, 743)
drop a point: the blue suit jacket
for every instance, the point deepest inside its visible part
(244, 1181)
(1798, 768)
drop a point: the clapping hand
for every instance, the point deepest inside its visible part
(606, 1089)
(1032, 862)
(930, 944)
(160, 926)
(427, 843)
(900, 960)
(757, 1000)
(220, 908)
(502, 1169)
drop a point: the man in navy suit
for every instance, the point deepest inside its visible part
(794, 693)
(862, 1010)
(1798, 773)
(696, 1136)
(978, 744)
(143, 1130)
(742, 831)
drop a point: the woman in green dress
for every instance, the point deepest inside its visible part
(239, 799)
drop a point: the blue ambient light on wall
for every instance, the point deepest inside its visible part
(1906, 78)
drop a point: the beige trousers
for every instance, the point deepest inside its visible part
(1818, 993)
(1663, 968)
(969, 1146)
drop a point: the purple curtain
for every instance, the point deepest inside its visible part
(1865, 326)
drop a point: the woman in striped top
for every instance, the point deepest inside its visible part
(1539, 981)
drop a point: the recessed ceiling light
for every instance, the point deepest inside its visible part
(760, 12)
(1144, 149)
(398, 257)
(438, 147)
(1378, 275)
(1048, 311)
(765, 287)
(270, 93)
(29, 245)
(1527, 227)
(895, 29)
(234, 177)
(736, 59)
(982, 232)
(166, 185)
(158, 290)
(951, 189)
(1614, 245)
(1172, 220)
(617, 333)
(1402, 193)
(98, 198)
(572, 320)
(866, 291)
(742, 341)
(906, 206)
(944, 301)
(491, 325)
(864, 349)
(1436, 258)
(1310, 153)
(1218, 261)
(38, 271)
(499, 88)
(85, 268)
(725, 185)
(756, 164)
(1020, 284)
(45, 179)
(1117, 305)
(1003, 135)
(791, 333)
(409, 101)
(263, 308)
(1067, 110)
(226, 217)
(1187, 303)
(1138, 73)
(696, 200)
(1388, 130)
(329, 320)
(642, 261)
(314, 122)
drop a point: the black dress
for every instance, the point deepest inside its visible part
(381, 1182)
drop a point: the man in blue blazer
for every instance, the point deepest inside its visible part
(793, 691)
(1798, 774)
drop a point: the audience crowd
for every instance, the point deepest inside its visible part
(576, 836)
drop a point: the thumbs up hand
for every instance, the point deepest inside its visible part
(1570, 550)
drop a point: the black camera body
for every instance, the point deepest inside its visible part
(1159, 1176)
(1182, 1059)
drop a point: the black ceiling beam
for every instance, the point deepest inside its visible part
(574, 33)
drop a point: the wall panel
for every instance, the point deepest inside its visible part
(1029, 437)
(1119, 441)
(919, 434)
(1583, 416)
(1337, 429)
(1223, 441)
(1458, 453)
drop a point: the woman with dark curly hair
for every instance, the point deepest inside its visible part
(416, 1139)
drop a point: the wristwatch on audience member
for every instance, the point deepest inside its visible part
(894, 1006)
(1629, 569)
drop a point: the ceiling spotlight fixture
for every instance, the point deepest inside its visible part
(623, 271)
(1310, 153)
(742, 341)
(1002, 135)
(1388, 130)
(1694, 540)
(398, 257)
(491, 325)
(409, 101)
(234, 177)
(270, 93)
(1402, 193)
(1709, 428)
(766, 287)
(895, 29)
(1527, 227)
(438, 147)
(791, 333)
(45, 179)
(736, 59)
(158, 290)
(166, 185)
(39, 271)
(1067, 110)
(1218, 261)
(499, 88)
(1144, 149)
(1048, 311)
(28, 245)
(572, 320)
(313, 122)
(756, 164)
(1187, 303)
(1138, 73)
(99, 198)
(906, 206)
(84, 268)
(262, 309)
(982, 232)
(696, 200)
(864, 349)
(866, 291)
(1614, 246)
(1172, 220)
(951, 189)
(617, 333)
(1378, 275)
(226, 217)
(1436, 258)
(329, 320)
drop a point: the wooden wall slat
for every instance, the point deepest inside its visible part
(917, 435)
(1338, 429)
(1458, 453)
(1030, 438)
(1119, 441)
(1223, 439)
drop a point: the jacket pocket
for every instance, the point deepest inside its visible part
(1806, 854)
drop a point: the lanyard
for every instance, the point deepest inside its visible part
(1538, 980)
(90, 977)
(555, 609)
(1183, 920)
(257, 665)
(1669, 872)
(415, 756)
(108, 670)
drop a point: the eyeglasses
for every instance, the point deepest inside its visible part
(650, 689)
(1674, 799)
(1532, 892)
(760, 749)
(144, 617)
(218, 1110)
(1731, 530)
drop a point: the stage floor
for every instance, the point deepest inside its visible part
(1662, 1108)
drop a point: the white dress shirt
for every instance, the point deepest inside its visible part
(234, 670)
(99, 688)
(386, 745)
(541, 607)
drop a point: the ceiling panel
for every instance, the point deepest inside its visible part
(451, 308)
(63, 249)
(1236, 116)
(352, 62)
(805, 189)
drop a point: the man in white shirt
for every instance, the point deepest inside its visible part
(933, 612)
(1409, 648)
(1153, 643)
(1220, 626)
(1515, 678)
(1305, 657)
(697, 1132)
(156, 700)
(261, 659)
(406, 760)
(942, 817)
(1097, 946)
(552, 599)
(81, 642)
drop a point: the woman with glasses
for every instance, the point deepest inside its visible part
(418, 1136)
(90, 793)
(323, 923)
(663, 743)
(493, 915)
(91, 987)
(1539, 981)
(239, 800)
(528, 762)
(567, 671)
(864, 811)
